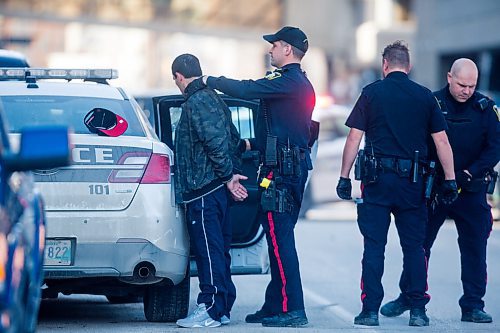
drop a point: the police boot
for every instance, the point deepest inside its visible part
(295, 318)
(367, 318)
(257, 317)
(476, 316)
(418, 317)
(395, 308)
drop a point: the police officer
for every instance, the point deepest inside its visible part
(397, 115)
(287, 100)
(475, 155)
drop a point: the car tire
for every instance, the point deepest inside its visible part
(167, 303)
(123, 299)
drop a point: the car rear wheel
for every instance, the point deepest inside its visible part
(167, 303)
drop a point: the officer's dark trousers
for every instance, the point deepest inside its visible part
(284, 291)
(405, 200)
(473, 220)
(210, 233)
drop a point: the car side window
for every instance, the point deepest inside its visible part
(175, 116)
(242, 118)
(243, 121)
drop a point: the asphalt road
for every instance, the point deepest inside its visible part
(330, 254)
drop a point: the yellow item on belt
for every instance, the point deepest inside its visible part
(265, 183)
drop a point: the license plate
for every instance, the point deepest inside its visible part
(58, 252)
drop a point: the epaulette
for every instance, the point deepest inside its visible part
(484, 102)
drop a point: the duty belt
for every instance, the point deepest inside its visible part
(397, 165)
(302, 156)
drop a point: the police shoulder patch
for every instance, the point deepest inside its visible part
(273, 75)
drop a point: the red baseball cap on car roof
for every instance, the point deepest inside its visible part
(104, 122)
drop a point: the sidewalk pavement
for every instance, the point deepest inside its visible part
(333, 211)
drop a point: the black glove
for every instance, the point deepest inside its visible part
(463, 179)
(449, 192)
(344, 188)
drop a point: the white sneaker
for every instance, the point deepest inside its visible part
(198, 318)
(224, 320)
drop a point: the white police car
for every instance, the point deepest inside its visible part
(113, 227)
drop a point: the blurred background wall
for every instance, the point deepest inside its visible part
(141, 37)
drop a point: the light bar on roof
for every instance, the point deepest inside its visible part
(58, 73)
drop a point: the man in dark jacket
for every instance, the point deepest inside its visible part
(205, 140)
(474, 134)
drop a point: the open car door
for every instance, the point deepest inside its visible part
(248, 249)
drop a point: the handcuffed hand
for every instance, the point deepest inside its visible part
(237, 190)
(449, 192)
(344, 188)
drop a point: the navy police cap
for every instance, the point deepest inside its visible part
(291, 35)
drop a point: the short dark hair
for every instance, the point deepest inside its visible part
(299, 54)
(397, 54)
(187, 65)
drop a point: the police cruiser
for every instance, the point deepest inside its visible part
(113, 227)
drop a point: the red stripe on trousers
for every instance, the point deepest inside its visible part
(278, 258)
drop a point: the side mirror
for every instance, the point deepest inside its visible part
(42, 147)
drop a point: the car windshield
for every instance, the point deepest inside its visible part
(22, 111)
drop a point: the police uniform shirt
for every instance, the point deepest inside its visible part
(397, 116)
(287, 101)
(473, 131)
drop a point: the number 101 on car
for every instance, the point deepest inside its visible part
(99, 189)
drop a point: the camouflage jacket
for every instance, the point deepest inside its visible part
(205, 143)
